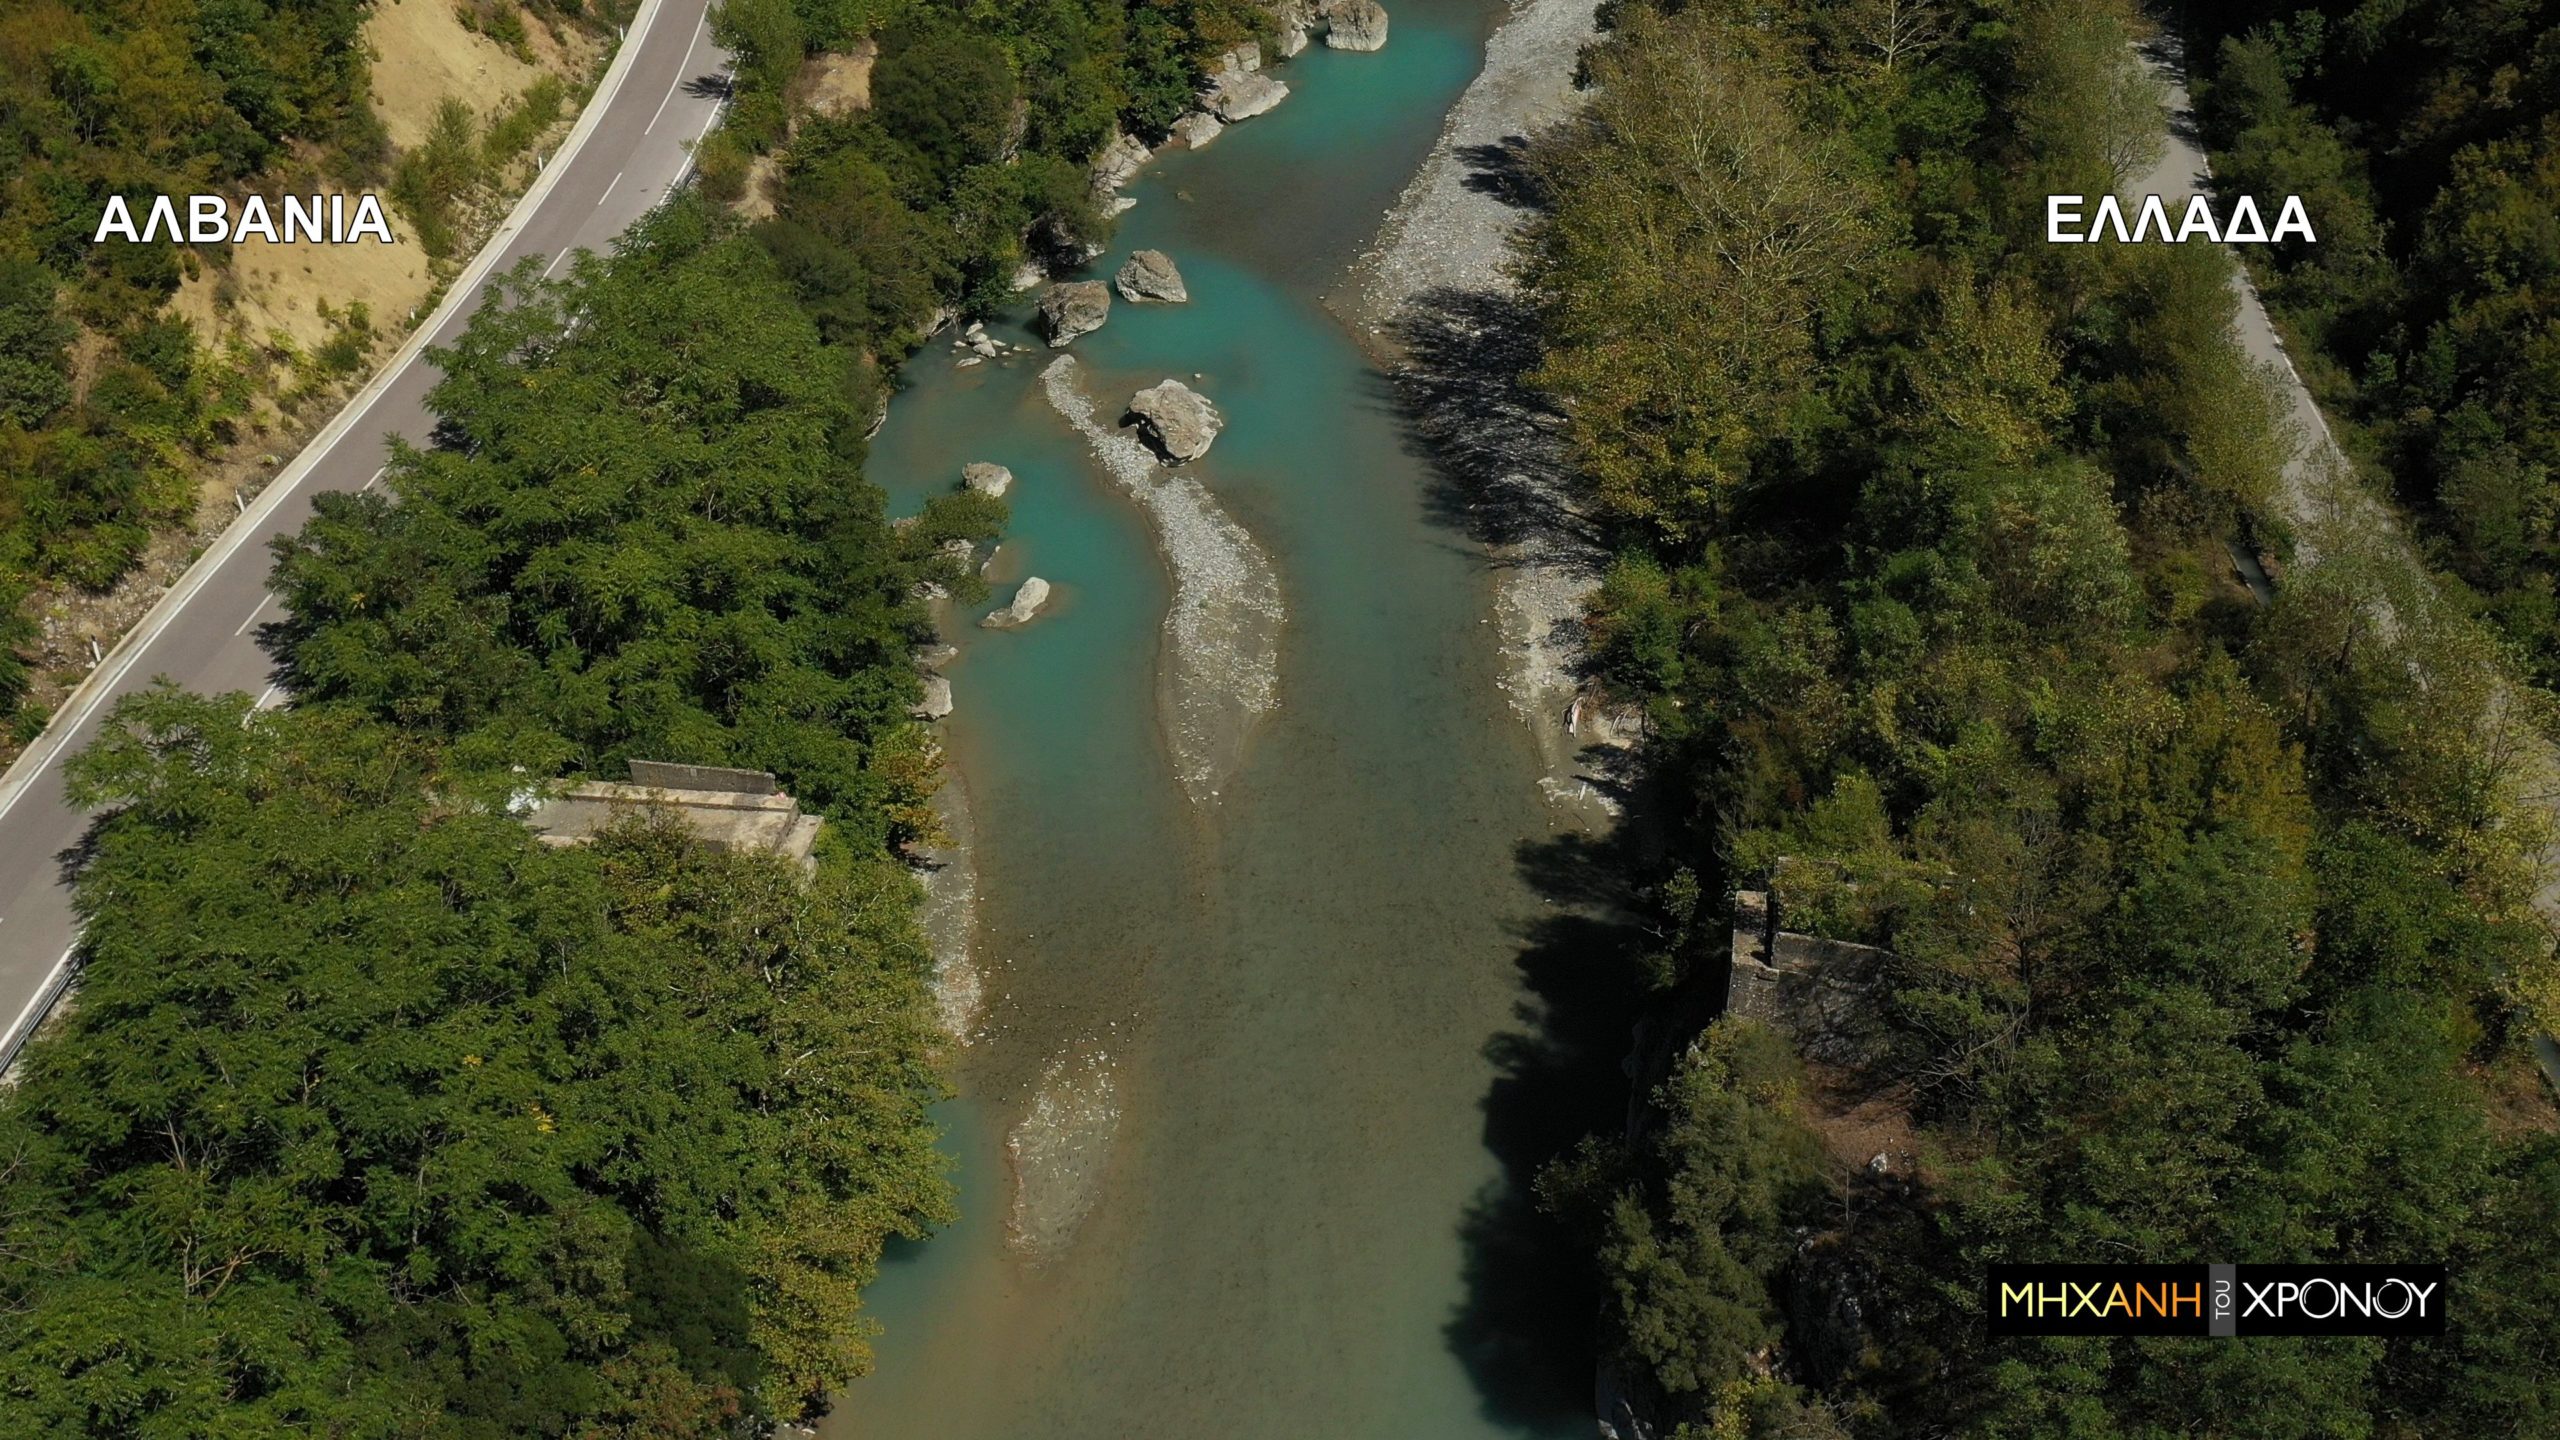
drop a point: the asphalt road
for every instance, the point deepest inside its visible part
(633, 144)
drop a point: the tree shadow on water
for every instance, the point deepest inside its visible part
(1525, 1329)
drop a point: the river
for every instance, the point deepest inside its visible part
(1253, 1045)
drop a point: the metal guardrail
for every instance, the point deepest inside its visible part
(38, 1008)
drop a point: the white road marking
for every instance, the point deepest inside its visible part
(556, 259)
(608, 189)
(376, 480)
(263, 602)
(267, 697)
(680, 69)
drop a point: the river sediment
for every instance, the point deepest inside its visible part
(1220, 667)
(1235, 1143)
(1437, 297)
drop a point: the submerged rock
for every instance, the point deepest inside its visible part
(934, 657)
(1149, 275)
(1355, 25)
(1026, 603)
(986, 479)
(1177, 420)
(1072, 308)
(1242, 94)
(1198, 128)
(937, 699)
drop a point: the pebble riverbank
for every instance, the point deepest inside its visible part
(1435, 293)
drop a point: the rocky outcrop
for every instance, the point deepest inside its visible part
(937, 699)
(1239, 92)
(1119, 162)
(934, 657)
(1149, 275)
(1072, 308)
(1292, 41)
(988, 480)
(1247, 56)
(1198, 128)
(1355, 25)
(1177, 420)
(1026, 603)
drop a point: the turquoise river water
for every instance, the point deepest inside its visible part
(1259, 1030)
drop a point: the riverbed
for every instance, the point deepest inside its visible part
(1231, 1136)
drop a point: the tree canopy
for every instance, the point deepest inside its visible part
(2205, 917)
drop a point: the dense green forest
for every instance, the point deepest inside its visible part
(2209, 921)
(375, 1117)
(2430, 134)
(973, 155)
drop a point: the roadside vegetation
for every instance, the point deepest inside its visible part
(2211, 919)
(112, 401)
(375, 1116)
(372, 1116)
(2429, 136)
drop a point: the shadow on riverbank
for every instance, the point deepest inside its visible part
(1525, 1330)
(1495, 448)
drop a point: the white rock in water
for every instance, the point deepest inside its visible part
(1241, 95)
(986, 479)
(1072, 308)
(1149, 275)
(934, 657)
(936, 702)
(1198, 128)
(1177, 420)
(1026, 603)
(1355, 25)
(968, 360)
(1026, 275)
(1120, 205)
(1293, 40)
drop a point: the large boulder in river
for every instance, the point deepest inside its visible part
(1026, 603)
(936, 702)
(1177, 420)
(1198, 128)
(1235, 94)
(1149, 275)
(1355, 25)
(1072, 308)
(988, 480)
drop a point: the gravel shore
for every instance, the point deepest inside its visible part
(1435, 299)
(1222, 635)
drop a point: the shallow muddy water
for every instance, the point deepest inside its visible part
(1240, 1044)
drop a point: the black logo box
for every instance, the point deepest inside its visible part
(2217, 1299)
